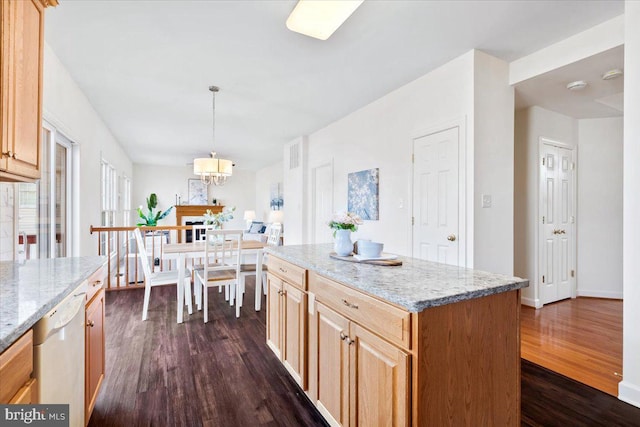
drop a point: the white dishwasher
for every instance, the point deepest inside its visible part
(58, 340)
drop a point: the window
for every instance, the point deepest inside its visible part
(45, 207)
(126, 200)
(109, 194)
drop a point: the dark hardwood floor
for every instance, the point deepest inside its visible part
(160, 373)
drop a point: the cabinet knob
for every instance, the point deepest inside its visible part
(90, 323)
(97, 282)
(343, 336)
(9, 154)
(451, 237)
(282, 270)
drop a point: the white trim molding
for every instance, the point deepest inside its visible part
(629, 393)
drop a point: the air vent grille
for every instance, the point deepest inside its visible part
(294, 156)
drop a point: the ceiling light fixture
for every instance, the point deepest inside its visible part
(212, 170)
(612, 74)
(320, 18)
(577, 85)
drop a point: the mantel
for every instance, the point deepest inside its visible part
(193, 210)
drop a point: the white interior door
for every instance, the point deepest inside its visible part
(557, 238)
(322, 209)
(436, 197)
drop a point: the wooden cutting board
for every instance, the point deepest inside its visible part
(384, 262)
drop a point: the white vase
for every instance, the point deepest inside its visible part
(342, 244)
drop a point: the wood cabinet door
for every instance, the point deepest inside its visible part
(332, 365)
(22, 53)
(294, 354)
(274, 315)
(94, 351)
(379, 383)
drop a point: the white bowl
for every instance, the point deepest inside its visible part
(370, 249)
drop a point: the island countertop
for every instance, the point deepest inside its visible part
(29, 290)
(415, 285)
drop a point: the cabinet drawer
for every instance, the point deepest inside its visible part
(16, 365)
(384, 319)
(26, 395)
(288, 272)
(95, 282)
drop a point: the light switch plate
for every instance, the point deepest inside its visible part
(486, 200)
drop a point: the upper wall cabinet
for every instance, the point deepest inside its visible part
(21, 52)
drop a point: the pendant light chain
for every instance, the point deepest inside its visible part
(214, 89)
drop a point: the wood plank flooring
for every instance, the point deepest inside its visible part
(580, 338)
(160, 373)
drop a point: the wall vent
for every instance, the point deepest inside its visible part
(294, 156)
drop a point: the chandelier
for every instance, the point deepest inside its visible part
(211, 169)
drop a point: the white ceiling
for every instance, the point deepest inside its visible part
(601, 98)
(146, 66)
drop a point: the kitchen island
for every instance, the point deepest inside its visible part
(418, 344)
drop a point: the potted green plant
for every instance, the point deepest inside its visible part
(151, 219)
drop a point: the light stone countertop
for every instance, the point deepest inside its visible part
(415, 285)
(29, 290)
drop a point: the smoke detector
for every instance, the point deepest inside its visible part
(577, 85)
(612, 74)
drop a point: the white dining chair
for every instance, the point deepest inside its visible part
(248, 269)
(223, 246)
(160, 278)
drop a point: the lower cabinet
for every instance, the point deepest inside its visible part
(94, 351)
(16, 367)
(287, 326)
(358, 378)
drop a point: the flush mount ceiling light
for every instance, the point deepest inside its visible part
(212, 170)
(320, 18)
(577, 85)
(612, 74)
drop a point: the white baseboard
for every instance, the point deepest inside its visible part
(530, 302)
(629, 393)
(599, 294)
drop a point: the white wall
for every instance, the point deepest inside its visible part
(629, 388)
(492, 165)
(68, 109)
(530, 125)
(380, 135)
(599, 263)
(167, 181)
(295, 184)
(265, 178)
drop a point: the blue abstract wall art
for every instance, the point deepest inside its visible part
(363, 195)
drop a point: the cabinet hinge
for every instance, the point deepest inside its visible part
(573, 273)
(542, 279)
(543, 219)
(543, 161)
(413, 220)
(413, 158)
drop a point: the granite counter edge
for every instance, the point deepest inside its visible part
(413, 307)
(13, 335)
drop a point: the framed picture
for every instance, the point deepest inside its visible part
(197, 192)
(276, 201)
(363, 193)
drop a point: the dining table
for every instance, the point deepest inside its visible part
(181, 252)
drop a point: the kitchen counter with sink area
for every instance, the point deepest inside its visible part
(419, 344)
(29, 290)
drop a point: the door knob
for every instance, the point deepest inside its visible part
(451, 237)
